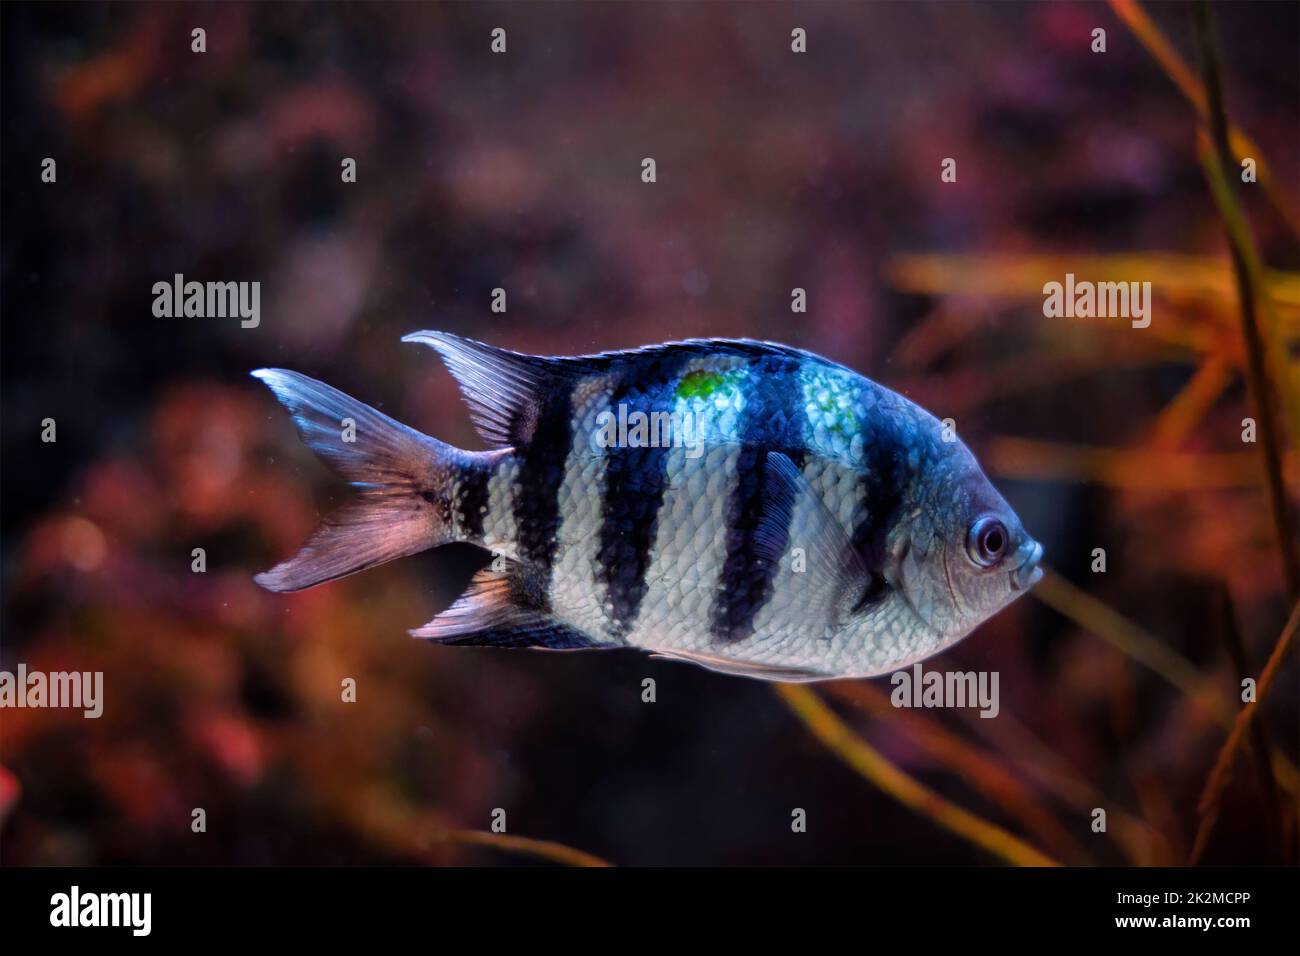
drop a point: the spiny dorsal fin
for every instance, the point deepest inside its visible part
(505, 390)
(493, 612)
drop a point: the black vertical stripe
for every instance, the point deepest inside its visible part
(773, 421)
(881, 490)
(472, 499)
(541, 472)
(633, 494)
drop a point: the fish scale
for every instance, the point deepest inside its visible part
(688, 560)
(499, 532)
(688, 546)
(796, 522)
(633, 490)
(578, 596)
(772, 422)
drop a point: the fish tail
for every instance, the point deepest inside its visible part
(411, 488)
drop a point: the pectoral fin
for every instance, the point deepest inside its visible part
(834, 581)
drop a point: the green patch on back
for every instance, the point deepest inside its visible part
(702, 383)
(834, 402)
(843, 419)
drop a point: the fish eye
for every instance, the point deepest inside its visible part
(987, 541)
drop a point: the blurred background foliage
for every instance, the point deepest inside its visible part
(775, 170)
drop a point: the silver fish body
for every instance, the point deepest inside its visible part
(744, 505)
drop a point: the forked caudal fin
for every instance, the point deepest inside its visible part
(404, 480)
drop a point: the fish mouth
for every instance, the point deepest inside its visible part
(1027, 573)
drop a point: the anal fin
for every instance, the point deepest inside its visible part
(494, 612)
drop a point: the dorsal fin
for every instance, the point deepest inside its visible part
(505, 390)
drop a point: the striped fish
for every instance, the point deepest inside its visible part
(747, 506)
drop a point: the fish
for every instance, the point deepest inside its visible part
(743, 505)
